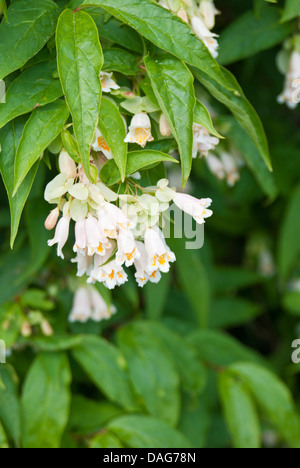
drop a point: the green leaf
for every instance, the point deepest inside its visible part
(11, 317)
(291, 10)
(291, 302)
(235, 133)
(273, 397)
(139, 431)
(113, 129)
(107, 368)
(136, 160)
(166, 31)
(105, 440)
(156, 295)
(88, 416)
(29, 25)
(186, 360)
(194, 281)
(54, 343)
(112, 29)
(45, 401)
(249, 35)
(241, 109)
(289, 241)
(3, 438)
(10, 136)
(220, 349)
(43, 126)
(119, 60)
(173, 85)
(229, 312)
(202, 117)
(152, 372)
(36, 87)
(240, 412)
(80, 58)
(9, 403)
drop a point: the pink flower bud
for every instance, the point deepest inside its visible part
(52, 219)
(182, 14)
(164, 127)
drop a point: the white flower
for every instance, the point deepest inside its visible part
(66, 165)
(291, 92)
(159, 254)
(203, 141)
(164, 126)
(216, 166)
(99, 144)
(107, 82)
(79, 191)
(61, 235)
(182, 14)
(82, 308)
(52, 219)
(140, 130)
(141, 265)
(198, 209)
(205, 35)
(101, 311)
(164, 194)
(127, 249)
(81, 241)
(112, 219)
(97, 242)
(208, 13)
(231, 168)
(84, 263)
(58, 187)
(110, 274)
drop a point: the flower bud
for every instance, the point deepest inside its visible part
(26, 329)
(164, 127)
(182, 14)
(46, 328)
(66, 165)
(52, 219)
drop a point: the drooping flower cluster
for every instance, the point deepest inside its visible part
(201, 18)
(113, 231)
(291, 93)
(88, 304)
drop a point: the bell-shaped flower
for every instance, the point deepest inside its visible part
(196, 208)
(112, 219)
(82, 307)
(99, 144)
(81, 241)
(97, 241)
(101, 311)
(291, 92)
(127, 248)
(84, 263)
(159, 254)
(140, 130)
(66, 165)
(208, 13)
(61, 235)
(203, 142)
(107, 82)
(141, 265)
(205, 35)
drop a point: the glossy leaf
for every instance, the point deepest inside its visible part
(43, 126)
(113, 129)
(10, 136)
(80, 58)
(173, 87)
(29, 25)
(120, 60)
(36, 87)
(136, 160)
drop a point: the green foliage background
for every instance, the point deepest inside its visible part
(204, 358)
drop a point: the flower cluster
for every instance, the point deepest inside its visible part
(201, 18)
(113, 231)
(88, 304)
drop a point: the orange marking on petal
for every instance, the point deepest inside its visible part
(141, 135)
(112, 275)
(100, 248)
(102, 143)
